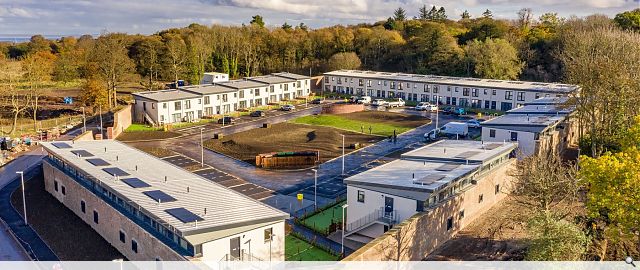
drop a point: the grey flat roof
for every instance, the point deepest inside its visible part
(271, 79)
(208, 89)
(433, 167)
(242, 84)
(548, 101)
(460, 81)
(166, 95)
(521, 122)
(225, 208)
(291, 76)
(542, 109)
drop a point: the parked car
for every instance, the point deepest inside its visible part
(379, 102)
(287, 107)
(426, 106)
(448, 110)
(395, 103)
(317, 101)
(364, 100)
(257, 114)
(227, 120)
(473, 123)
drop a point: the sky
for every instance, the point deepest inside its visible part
(77, 17)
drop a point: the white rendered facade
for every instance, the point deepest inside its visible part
(455, 91)
(191, 103)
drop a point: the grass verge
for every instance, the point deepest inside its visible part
(321, 221)
(337, 121)
(297, 249)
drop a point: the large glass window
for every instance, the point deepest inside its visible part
(360, 196)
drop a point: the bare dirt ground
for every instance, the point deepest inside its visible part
(391, 118)
(285, 137)
(67, 235)
(146, 135)
(499, 234)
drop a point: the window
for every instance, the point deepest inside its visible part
(369, 83)
(55, 185)
(465, 91)
(435, 89)
(95, 217)
(207, 100)
(64, 191)
(134, 246)
(187, 104)
(153, 105)
(508, 95)
(360, 82)
(224, 98)
(520, 96)
(426, 88)
(393, 85)
(298, 83)
(480, 198)
(461, 214)
(485, 92)
(497, 188)
(256, 92)
(272, 88)
(268, 234)
(241, 93)
(474, 92)
(164, 105)
(449, 223)
(177, 105)
(493, 92)
(492, 133)
(83, 207)
(326, 79)
(360, 196)
(123, 237)
(514, 136)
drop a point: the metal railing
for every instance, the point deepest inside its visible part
(378, 215)
(244, 257)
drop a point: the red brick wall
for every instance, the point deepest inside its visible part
(342, 108)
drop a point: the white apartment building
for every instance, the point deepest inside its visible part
(149, 209)
(455, 91)
(190, 103)
(421, 181)
(544, 123)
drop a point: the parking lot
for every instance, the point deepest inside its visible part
(222, 178)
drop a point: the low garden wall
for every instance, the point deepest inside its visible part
(342, 108)
(121, 120)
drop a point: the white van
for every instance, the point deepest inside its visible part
(451, 130)
(426, 106)
(364, 100)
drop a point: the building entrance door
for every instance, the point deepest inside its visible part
(234, 249)
(388, 206)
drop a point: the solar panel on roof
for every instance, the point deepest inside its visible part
(183, 215)
(115, 171)
(135, 182)
(159, 195)
(447, 167)
(429, 179)
(61, 145)
(467, 154)
(98, 162)
(81, 153)
(492, 146)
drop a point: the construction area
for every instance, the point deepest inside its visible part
(289, 137)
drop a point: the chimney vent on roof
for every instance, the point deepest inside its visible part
(205, 211)
(187, 189)
(136, 168)
(165, 178)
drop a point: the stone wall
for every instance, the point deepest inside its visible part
(342, 108)
(110, 221)
(121, 121)
(416, 237)
(86, 136)
(557, 141)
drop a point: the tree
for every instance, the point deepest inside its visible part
(303, 27)
(94, 92)
(423, 13)
(524, 18)
(111, 60)
(38, 43)
(16, 100)
(629, 20)
(433, 51)
(441, 14)
(604, 61)
(483, 28)
(146, 54)
(399, 15)
(554, 240)
(286, 26)
(465, 15)
(175, 52)
(257, 20)
(487, 14)
(544, 182)
(493, 59)
(37, 68)
(344, 60)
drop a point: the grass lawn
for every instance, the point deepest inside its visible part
(381, 123)
(322, 220)
(141, 127)
(297, 249)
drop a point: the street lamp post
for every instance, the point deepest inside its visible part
(315, 189)
(24, 201)
(342, 153)
(201, 148)
(100, 108)
(84, 121)
(437, 109)
(344, 208)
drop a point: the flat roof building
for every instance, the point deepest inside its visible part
(150, 209)
(446, 90)
(419, 181)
